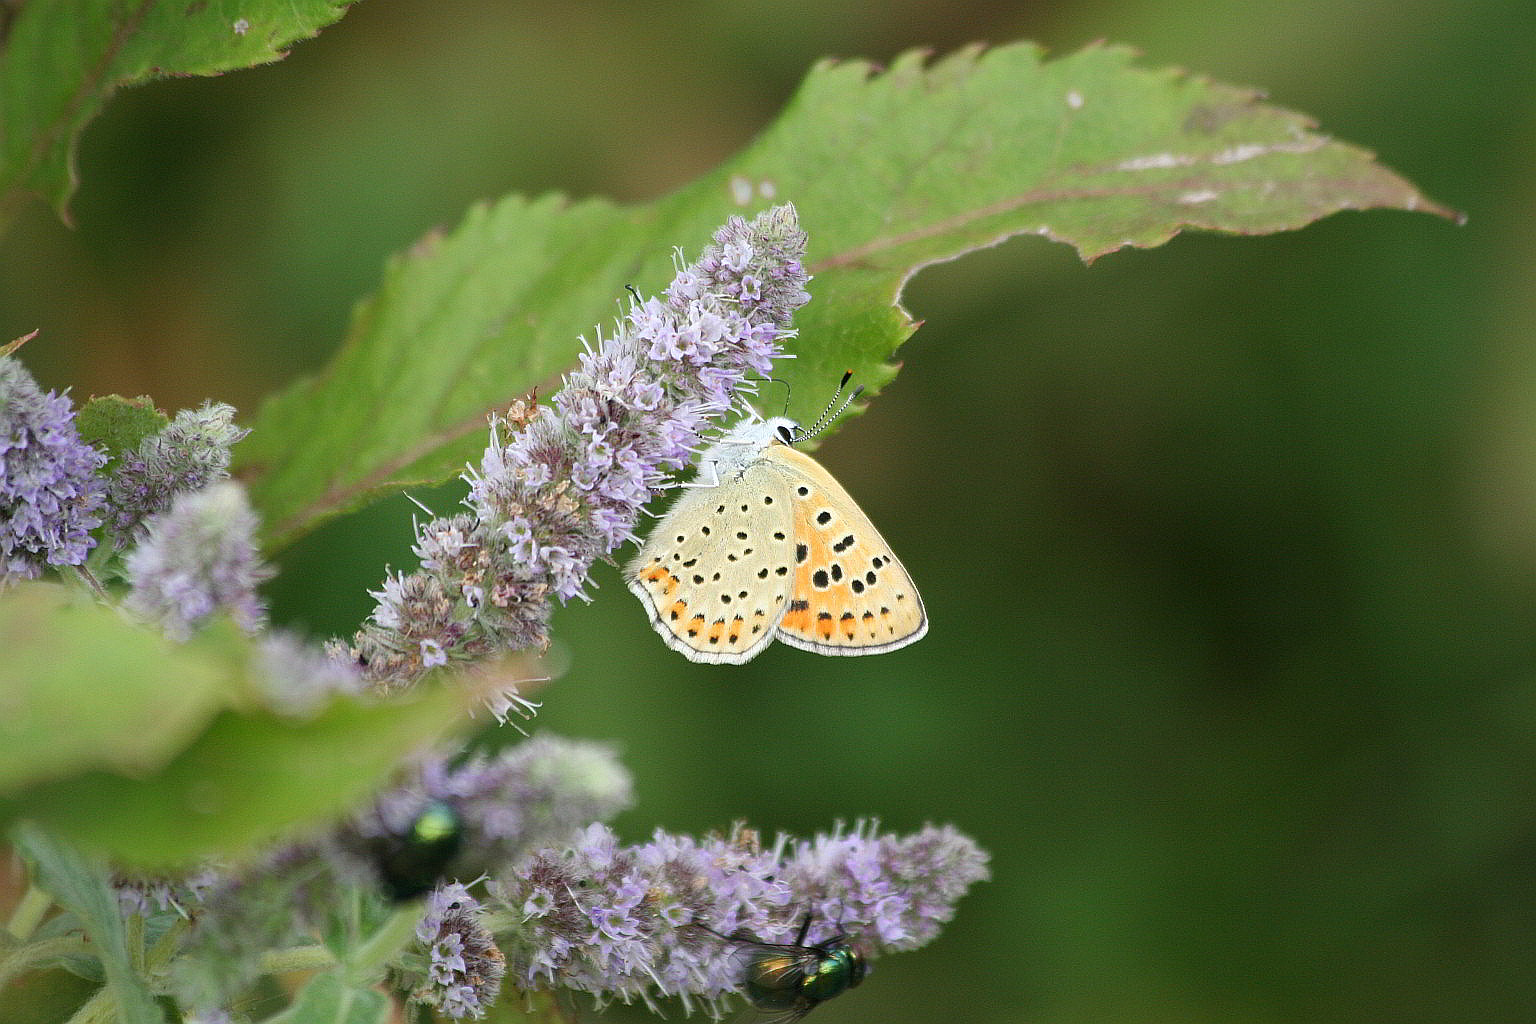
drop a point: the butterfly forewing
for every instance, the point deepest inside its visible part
(716, 573)
(850, 595)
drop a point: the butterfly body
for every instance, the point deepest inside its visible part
(767, 545)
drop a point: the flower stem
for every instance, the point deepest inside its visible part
(367, 963)
(91, 581)
(298, 958)
(101, 1008)
(29, 913)
(25, 957)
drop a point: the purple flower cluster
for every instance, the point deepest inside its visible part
(145, 897)
(197, 558)
(623, 921)
(50, 494)
(892, 891)
(190, 453)
(563, 485)
(464, 967)
(544, 790)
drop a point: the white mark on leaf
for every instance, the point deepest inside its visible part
(1155, 162)
(1238, 154)
(241, 26)
(1201, 196)
(1075, 100)
(742, 189)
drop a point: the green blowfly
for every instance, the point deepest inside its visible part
(787, 980)
(412, 862)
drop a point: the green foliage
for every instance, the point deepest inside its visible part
(116, 424)
(890, 172)
(87, 689)
(328, 999)
(63, 58)
(249, 778)
(126, 743)
(79, 885)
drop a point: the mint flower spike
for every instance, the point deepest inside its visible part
(464, 967)
(562, 485)
(641, 922)
(190, 453)
(197, 558)
(50, 494)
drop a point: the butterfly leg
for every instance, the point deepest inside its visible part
(713, 481)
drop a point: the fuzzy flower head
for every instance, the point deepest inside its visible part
(561, 486)
(197, 558)
(190, 453)
(50, 495)
(637, 922)
(464, 967)
(542, 791)
(297, 678)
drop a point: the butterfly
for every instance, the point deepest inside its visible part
(767, 545)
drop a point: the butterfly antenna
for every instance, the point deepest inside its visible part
(631, 289)
(833, 410)
(775, 380)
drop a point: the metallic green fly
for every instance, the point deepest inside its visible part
(785, 981)
(412, 862)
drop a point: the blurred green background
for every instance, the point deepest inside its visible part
(1229, 547)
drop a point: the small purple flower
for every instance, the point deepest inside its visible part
(638, 922)
(197, 558)
(50, 495)
(190, 453)
(464, 967)
(148, 896)
(563, 485)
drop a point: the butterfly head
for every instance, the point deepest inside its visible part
(760, 433)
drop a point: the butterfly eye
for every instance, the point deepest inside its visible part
(785, 434)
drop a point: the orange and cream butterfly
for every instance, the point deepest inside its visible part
(766, 545)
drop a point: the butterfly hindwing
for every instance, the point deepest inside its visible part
(716, 572)
(850, 595)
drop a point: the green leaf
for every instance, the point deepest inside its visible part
(116, 424)
(249, 778)
(327, 999)
(891, 171)
(80, 885)
(82, 687)
(63, 58)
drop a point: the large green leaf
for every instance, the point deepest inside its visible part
(119, 740)
(82, 687)
(63, 58)
(250, 778)
(891, 171)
